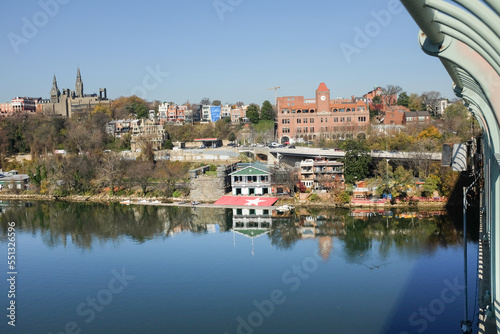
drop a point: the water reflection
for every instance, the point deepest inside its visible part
(359, 230)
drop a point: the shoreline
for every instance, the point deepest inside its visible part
(135, 199)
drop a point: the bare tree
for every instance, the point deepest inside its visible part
(205, 101)
(431, 101)
(288, 178)
(140, 173)
(390, 94)
(112, 170)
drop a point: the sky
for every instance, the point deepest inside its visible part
(229, 50)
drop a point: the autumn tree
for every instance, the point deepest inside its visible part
(170, 173)
(415, 102)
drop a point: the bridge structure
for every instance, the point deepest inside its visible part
(465, 36)
(289, 156)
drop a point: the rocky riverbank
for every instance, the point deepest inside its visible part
(105, 198)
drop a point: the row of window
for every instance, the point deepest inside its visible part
(335, 119)
(305, 129)
(305, 111)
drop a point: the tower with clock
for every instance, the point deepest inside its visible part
(322, 98)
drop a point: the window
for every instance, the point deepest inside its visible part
(321, 119)
(299, 120)
(326, 120)
(362, 119)
(252, 212)
(311, 120)
(286, 130)
(299, 129)
(311, 129)
(342, 119)
(305, 129)
(342, 110)
(336, 119)
(348, 119)
(292, 98)
(288, 99)
(305, 120)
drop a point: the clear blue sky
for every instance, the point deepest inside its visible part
(256, 45)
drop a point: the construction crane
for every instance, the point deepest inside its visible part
(275, 94)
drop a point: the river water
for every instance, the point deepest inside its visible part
(94, 268)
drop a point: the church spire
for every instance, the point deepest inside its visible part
(79, 84)
(54, 92)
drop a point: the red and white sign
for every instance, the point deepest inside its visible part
(246, 201)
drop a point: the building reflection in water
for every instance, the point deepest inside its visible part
(251, 223)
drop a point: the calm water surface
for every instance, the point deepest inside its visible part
(91, 268)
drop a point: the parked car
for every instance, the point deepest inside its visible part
(291, 146)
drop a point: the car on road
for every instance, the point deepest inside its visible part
(394, 152)
(291, 146)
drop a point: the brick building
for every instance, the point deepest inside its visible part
(395, 115)
(417, 118)
(310, 119)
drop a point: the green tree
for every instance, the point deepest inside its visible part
(267, 111)
(431, 184)
(403, 99)
(356, 160)
(139, 109)
(216, 103)
(253, 113)
(231, 136)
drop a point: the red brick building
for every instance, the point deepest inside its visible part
(395, 115)
(311, 119)
(386, 99)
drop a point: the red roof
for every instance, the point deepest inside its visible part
(246, 201)
(322, 87)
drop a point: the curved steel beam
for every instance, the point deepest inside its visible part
(472, 21)
(424, 17)
(483, 12)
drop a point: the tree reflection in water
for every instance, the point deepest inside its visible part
(358, 230)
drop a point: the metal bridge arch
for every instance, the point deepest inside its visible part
(465, 36)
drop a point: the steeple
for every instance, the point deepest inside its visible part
(54, 92)
(79, 84)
